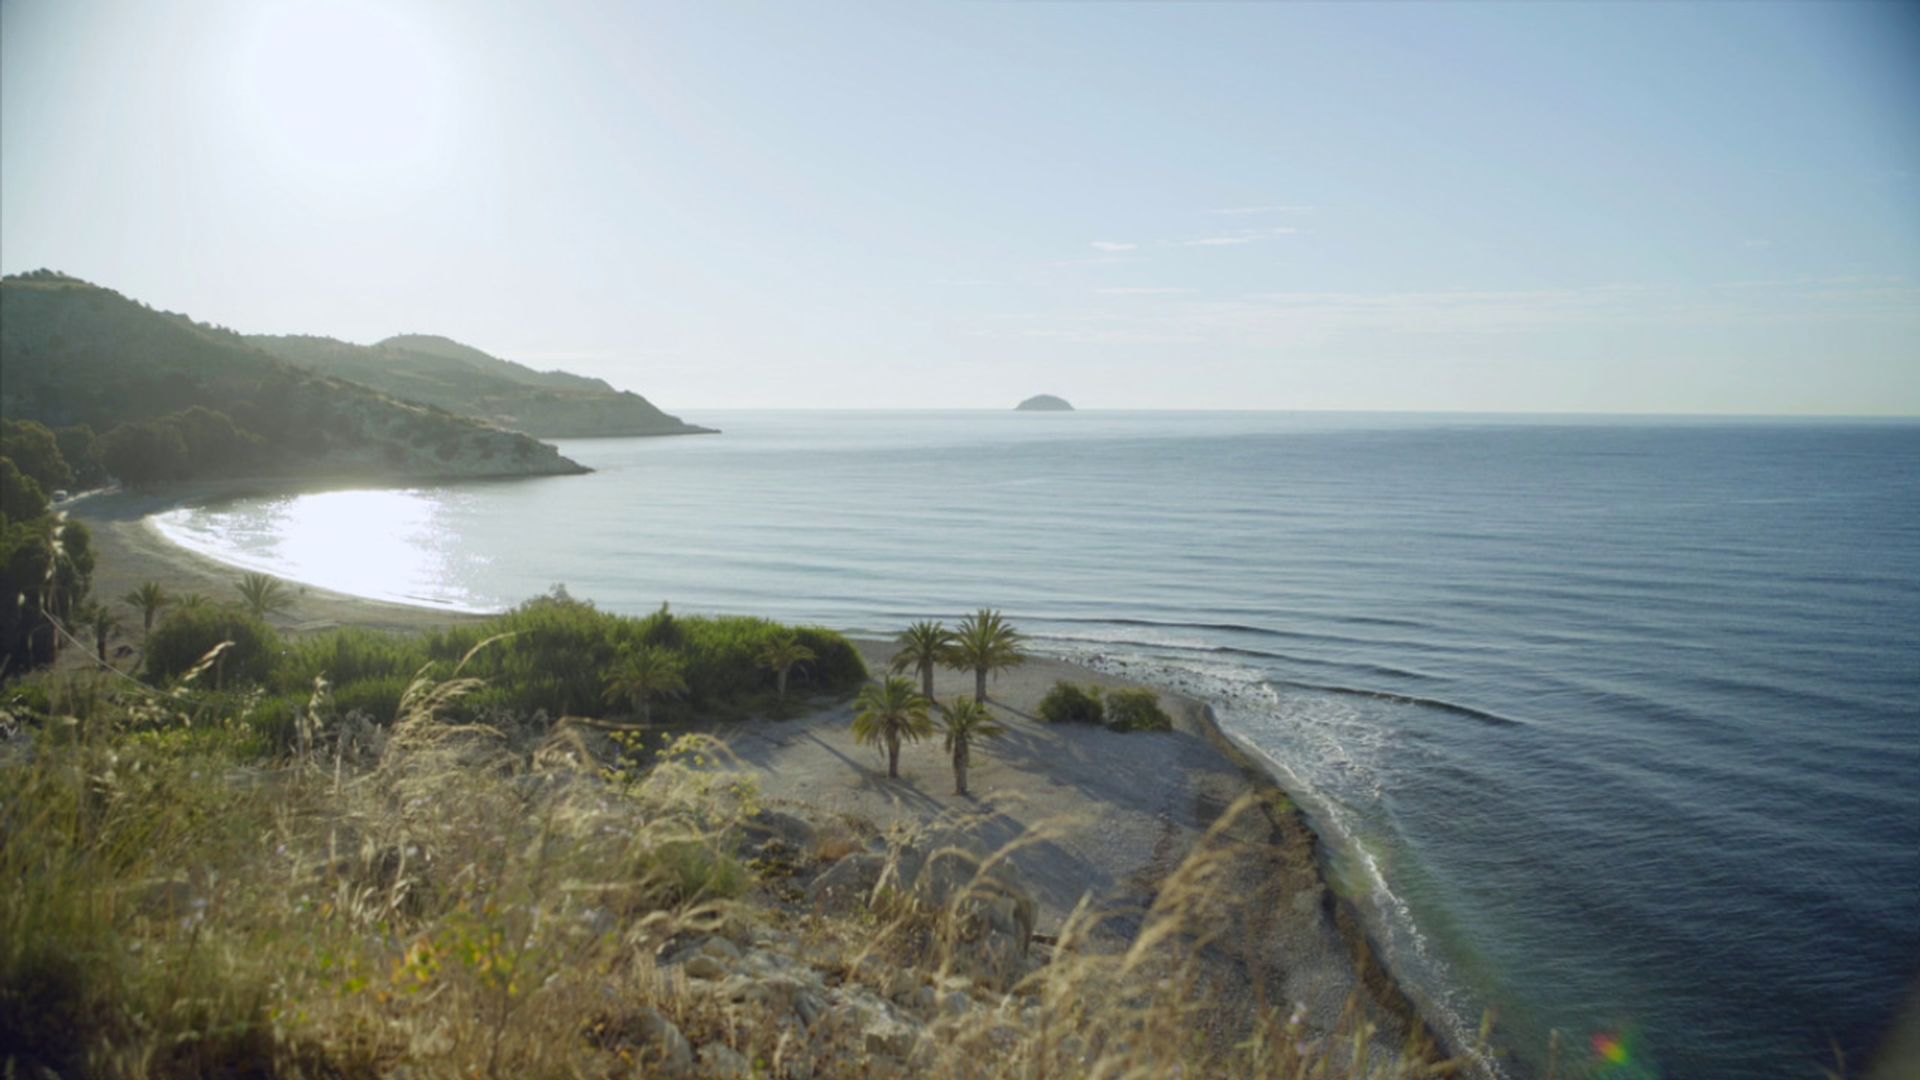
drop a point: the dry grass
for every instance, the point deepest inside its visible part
(472, 900)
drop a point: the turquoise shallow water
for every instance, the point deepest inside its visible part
(1612, 721)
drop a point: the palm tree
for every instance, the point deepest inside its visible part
(781, 655)
(149, 598)
(192, 600)
(922, 645)
(984, 643)
(263, 595)
(103, 622)
(888, 713)
(644, 674)
(964, 722)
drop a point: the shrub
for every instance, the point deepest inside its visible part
(1067, 703)
(1136, 710)
(189, 634)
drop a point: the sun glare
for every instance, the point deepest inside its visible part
(345, 89)
(372, 543)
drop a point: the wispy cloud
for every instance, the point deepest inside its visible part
(1113, 245)
(1219, 241)
(1241, 211)
(1141, 290)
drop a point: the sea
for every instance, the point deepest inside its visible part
(1609, 724)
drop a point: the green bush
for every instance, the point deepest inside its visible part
(189, 634)
(555, 656)
(1136, 710)
(378, 697)
(1067, 703)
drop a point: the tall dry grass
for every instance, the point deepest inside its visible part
(458, 899)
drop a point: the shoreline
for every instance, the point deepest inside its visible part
(1310, 934)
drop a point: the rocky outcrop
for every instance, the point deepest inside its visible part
(1044, 403)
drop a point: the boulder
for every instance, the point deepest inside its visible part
(845, 886)
(718, 1061)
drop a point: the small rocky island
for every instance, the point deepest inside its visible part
(1044, 403)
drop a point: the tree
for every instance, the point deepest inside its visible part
(782, 654)
(144, 454)
(20, 498)
(36, 453)
(922, 645)
(985, 643)
(644, 674)
(103, 622)
(148, 599)
(965, 722)
(82, 451)
(263, 595)
(188, 634)
(887, 713)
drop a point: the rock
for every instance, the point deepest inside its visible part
(770, 827)
(660, 1046)
(704, 966)
(845, 886)
(1044, 403)
(720, 949)
(889, 1037)
(988, 925)
(718, 1061)
(779, 995)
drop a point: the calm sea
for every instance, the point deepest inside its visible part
(1613, 722)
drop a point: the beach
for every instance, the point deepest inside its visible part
(1118, 811)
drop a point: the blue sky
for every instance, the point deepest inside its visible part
(1548, 207)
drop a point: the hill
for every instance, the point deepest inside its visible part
(184, 400)
(1044, 403)
(462, 379)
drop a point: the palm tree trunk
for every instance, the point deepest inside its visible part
(926, 680)
(959, 770)
(893, 757)
(782, 683)
(980, 684)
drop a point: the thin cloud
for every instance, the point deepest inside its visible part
(1218, 241)
(1141, 290)
(1239, 211)
(1113, 245)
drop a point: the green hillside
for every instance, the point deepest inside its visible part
(461, 379)
(182, 400)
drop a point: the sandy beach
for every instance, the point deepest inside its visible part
(1120, 810)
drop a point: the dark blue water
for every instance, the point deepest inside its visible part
(1612, 722)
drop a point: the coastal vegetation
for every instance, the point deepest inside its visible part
(173, 400)
(46, 567)
(1070, 703)
(148, 598)
(262, 595)
(923, 646)
(447, 898)
(1131, 709)
(781, 655)
(985, 643)
(643, 673)
(465, 381)
(888, 713)
(962, 724)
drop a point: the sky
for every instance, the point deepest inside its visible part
(1482, 207)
